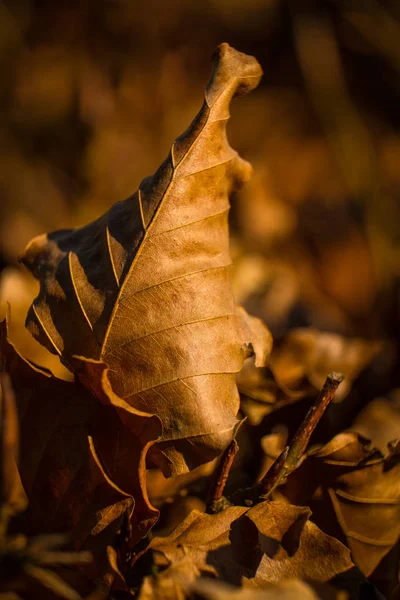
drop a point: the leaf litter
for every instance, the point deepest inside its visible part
(138, 305)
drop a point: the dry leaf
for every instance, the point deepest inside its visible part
(28, 564)
(291, 589)
(379, 421)
(297, 368)
(17, 288)
(171, 583)
(82, 470)
(176, 583)
(260, 393)
(300, 363)
(147, 287)
(353, 489)
(267, 543)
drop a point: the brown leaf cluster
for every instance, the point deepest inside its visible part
(29, 564)
(139, 306)
(354, 493)
(264, 544)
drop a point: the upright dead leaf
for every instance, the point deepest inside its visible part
(147, 287)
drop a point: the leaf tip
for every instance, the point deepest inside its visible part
(234, 71)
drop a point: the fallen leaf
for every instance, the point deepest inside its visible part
(291, 589)
(179, 581)
(171, 583)
(28, 564)
(304, 357)
(162, 489)
(260, 394)
(146, 288)
(82, 470)
(379, 420)
(267, 543)
(354, 493)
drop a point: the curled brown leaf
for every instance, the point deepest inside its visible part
(146, 288)
(300, 362)
(267, 543)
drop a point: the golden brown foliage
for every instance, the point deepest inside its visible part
(146, 288)
(139, 306)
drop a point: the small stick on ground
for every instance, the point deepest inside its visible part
(301, 439)
(216, 500)
(272, 477)
(291, 456)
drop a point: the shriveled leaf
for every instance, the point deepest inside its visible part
(162, 489)
(172, 583)
(82, 470)
(379, 421)
(304, 357)
(260, 393)
(147, 287)
(267, 543)
(354, 493)
(297, 368)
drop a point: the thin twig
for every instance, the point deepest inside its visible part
(291, 456)
(271, 478)
(302, 437)
(216, 500)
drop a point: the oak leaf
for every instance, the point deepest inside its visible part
(146, 288)
(82, 470)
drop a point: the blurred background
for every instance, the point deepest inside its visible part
(92, 95)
